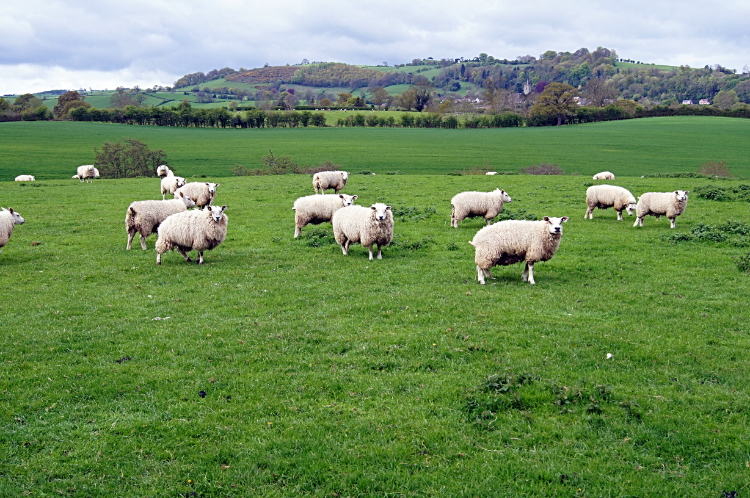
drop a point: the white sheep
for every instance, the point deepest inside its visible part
(196, 230)
(85, 172)
(144, 217)
(491, 173)
(513, 241)
(470, 204)
(317, 209)
(607, 196)
(25, 178)
(202, 193)
(330, 179)
(169, 184)
(368, 226)
(8, 219)
(96, 173)
(669, 204)
(163, 171)
(604, 175)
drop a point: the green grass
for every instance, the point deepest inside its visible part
(326, 374)
(51, 150)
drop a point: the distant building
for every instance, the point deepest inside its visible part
(527, 87)
(687, 102)
(705, 102)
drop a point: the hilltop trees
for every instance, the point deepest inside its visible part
(555, 100)
(598, 92)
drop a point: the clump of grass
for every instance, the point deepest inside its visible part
(715, 193)
(716, 168)
(735, 232)
(283, 165)
(394, 172)
(319, 237)
(519, 214)
(743, 263)
(542, 169)
(412, 213)
(413, 245)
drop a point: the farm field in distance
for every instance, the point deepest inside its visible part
(282, 367)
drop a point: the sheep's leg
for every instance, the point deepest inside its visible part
(530, 269)
(345, 247)
(184, 254)
(370, 249)
(489, 221)
(487, 273)
(480, 274)
(672, 220)
(158, 258)
(297, 231)
(619, 215)
(380, 251)
(589, 213)
(636, 221)
(143, 243)
(130, 240)
(200, 258)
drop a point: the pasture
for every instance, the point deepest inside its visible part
(282, 368)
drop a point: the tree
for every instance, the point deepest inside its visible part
(408, 99)
(422, 94)
(4, 105)
(490, 93)
(121, 99)
(326, 102)
(27, 102)
(65, 98)
(378, 95)
(555, 100)
(343, 97)
(598, 92)
(724, 100)
(128, 160)
(73, 104)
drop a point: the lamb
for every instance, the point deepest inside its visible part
(85, 172)
(202, 193)
(604, 175)
(513, 241)
(144, 217)
(197, 230)
(171, 183)
(469, 204)
(607, 196)
(8, 219)
(163, 171)
(317, 209)
(330, 179)
(669, 204)
(368, 226)
(25, 178)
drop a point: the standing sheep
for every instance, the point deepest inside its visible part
(513, 241)
(25, 178)
(169, 184)
(202, 193)
(604, 175)
(607, 196)
(330, 179)
(144, 217)
(669, 204)
(85, 172)
(470, 204)
(163, 171)
(197, 230)
(8, 219)
(317, 209)
(368, 226)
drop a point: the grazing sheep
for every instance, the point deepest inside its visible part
(85, 172)
(169, 184)
(513, 241)
(604, 175)
(470, 204)
(330, 179)
(607, 196)
(317, 209)
(491, 173)
(368, 226)
(8, 219)
(163, 171)
(197, 230)
(144, 217)
(96, 173)
(25, 178)
(202, 193)
(669, 204)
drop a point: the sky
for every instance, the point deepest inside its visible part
(64, 44)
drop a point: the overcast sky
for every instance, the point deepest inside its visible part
(64, 44)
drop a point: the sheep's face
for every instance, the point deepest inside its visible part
(345, 174)
(217, 212)
(212, 188)
(189, 202)
(17, 220)
(180, 181)
(504, 195)
(554, 225)
(630, 208)
(347, 200)
(380, 211)
(681, 195)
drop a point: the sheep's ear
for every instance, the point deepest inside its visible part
(223, 208)
(373, 208)
(182, 195)
(11, 210)
(354, 197)
(218, 184)
(687, 192)
(388, 208)
(546, 218)
(564, 219)
(341, 196)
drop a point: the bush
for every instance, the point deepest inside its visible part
(714, 168)
(542, 169)
(128, 160)
(743, 263)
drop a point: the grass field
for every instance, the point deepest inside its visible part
(53, 150)
(283, 368)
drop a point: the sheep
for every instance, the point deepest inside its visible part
(85, 172)
(330, 179)
(202, 193)
(491, 173)
(197, 230)
(669, 204)
(513, 241)
(144, 217)
(25, 178)
(96, 173)
(368, 226)
(171, 183)
(604, 175)
(317, 209)
(607, 196)
(8, 219)
(163, 171)
(469, 204)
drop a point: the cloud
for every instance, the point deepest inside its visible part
(68, 41)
